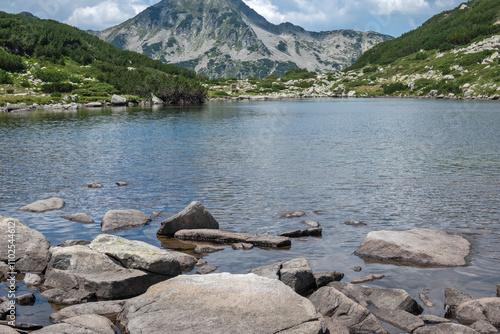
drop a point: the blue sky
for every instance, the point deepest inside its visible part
(392, 17)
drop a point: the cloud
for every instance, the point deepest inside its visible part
(105, 14)
(266, 9)
(388, 7)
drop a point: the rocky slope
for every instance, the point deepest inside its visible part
(226, 38)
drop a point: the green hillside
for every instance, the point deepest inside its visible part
(41, 57)
(442, 32)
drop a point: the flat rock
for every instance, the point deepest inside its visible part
(332, 303)
(105, 308)
(310, 232)
(226, 237)
(291, 214)
(445, 329)
(53, 203)
(7, 330)
(83, 324)
(79, 218)
(242, 245)
(200, 249)
(77, 268)
(122, 184)
(32, 248)
(484, 327)
(68, 243)
(400, 319)
(453, 298)
(432, 319)
(271, 271)
(481, 309)
(135, 254)
(223, 303)
(115, 220)
(355, 223)
(325, 277)
(369, 278)
(194, 216)
(311, 223)
(392, 299)
(418, 247)
(19, 326)
(70, 297)
(206, 270)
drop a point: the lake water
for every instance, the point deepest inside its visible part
(395, 164)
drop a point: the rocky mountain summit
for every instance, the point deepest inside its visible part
(226, 38)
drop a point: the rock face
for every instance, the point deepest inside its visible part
(121, 219)
(79, 218)
(421, 247)
(331, 303)
(226, 237)
(80, 268)
(296, 273)
(43, 205)
(32, 248)
(137, 254)
(223, 303)
(195, 216)
(88, 324)
(481, 309)
(392, 299)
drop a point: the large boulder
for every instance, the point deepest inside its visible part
(452, 299)
(391, 299)
(118, 100)
(227, 237)
(332, 303)
(419, 247)
(105, 308)
(121, 219)
(194, 216)
(220, 303)
(43, 205)
(445, 329)
(400, 319)
(296, 273)
(79, 218)
(481, 309)
(82, 269)
(32, 248)
(84, 324)
(137, 254)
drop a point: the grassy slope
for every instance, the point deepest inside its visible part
(42, 57)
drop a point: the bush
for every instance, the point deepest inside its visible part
(420, 56)
(63, 87)
(299, 73)
(50, 75)
(5, 78)
(370, 69)
(9, 91)
(394, 87)
(10, 62)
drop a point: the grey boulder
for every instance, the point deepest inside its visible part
(7, 330)
(115, 220)
(220, 303)
(79, 218)
(84, 324)
(291, 214)
(32, 248)
(325, 277)
(453, 298)
(194, 216)
(445, 329)
(118, 100)
(104, 308)
(481, 309)
(227, 237)
(400, 319)
(418, 247)
(310, 232)
(53, 203)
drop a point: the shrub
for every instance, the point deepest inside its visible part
(5, 78)
(394, 87)
(63, 87)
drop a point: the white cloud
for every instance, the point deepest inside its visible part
(387, 7)
(105, 14)
(266, 9)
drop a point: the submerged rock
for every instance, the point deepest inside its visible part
(94, 185)
(311, 223)
(79, 218)
(122, 219)
(206, 270)
(226, 237)
(223, 303)
(195, 216)
(291, 214)
(32, 248)
(419, 247)
(200, 249)
(242, 245)
(53, 203)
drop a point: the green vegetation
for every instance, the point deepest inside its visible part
(442, 32)
(47, 57)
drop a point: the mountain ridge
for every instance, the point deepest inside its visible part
(223, 38)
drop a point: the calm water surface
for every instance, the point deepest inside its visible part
(395, 164)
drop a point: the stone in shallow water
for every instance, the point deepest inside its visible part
(93, 185)
(220, 303)
(419, 247)
(453, 298)
(53, 203)
(311, 232)
(481, 309)
(291, 214)
(194, 216)
(104, 308)
(115, 220)
(227, 237)
(311, 223)
(79, 218)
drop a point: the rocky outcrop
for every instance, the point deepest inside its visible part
(88, 324)
(53, 203)
(32, 248)
(105, 308)
(79, 218)
(195, 216)
(115, 220)
(226, 237)
(332, 303)
(80, 268)
(420, 247)
(391, 299)
(223, 303)
(296, 273)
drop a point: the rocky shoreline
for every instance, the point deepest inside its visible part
(112, 282)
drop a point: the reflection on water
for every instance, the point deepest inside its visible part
(393, 163)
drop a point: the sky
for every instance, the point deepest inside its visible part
(392, 17)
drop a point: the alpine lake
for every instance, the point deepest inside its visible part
(395, 164)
